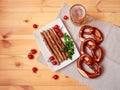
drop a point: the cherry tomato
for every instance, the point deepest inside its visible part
(34, 69)
(65, 17)
(51, 58)
(30, 56)
(33, 51)
(57, 30)
(60, 34)
(35, 26)
(56, 77)
(54, 63)
(56, 27)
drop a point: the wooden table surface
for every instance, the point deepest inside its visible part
(16, 41)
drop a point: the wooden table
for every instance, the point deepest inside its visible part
(16, 41)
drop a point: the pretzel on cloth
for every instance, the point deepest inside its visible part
(91, 44)
(93, 31)
(87, 59)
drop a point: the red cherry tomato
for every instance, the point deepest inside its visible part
(35, 26)
(30, 56)
(56, 27)
(65, 17)
(57, 30)
(60, 34)
(56, 77)
(51, 58)
(54, 63)
(33, 51)
(34, 69)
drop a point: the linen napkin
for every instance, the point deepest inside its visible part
(109, 80)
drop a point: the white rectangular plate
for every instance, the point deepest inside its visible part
(44, 49)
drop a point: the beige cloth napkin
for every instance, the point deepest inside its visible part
(110, 78)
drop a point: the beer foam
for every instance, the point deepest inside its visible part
(78, 11)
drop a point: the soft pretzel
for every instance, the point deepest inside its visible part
(87, 42)
(87, 59)
(97, 35)
(96, 57)
(93, 31)
(91, 44)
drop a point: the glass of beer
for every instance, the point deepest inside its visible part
(78, 14)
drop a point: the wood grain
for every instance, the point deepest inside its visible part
(27, 87)
(16, 41)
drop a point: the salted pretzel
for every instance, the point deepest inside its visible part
(93, 60)
(93, 31)
(91, 44)
(86, 59)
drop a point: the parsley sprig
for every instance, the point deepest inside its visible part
(69, 46)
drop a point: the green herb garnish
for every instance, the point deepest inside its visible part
(69, 46)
